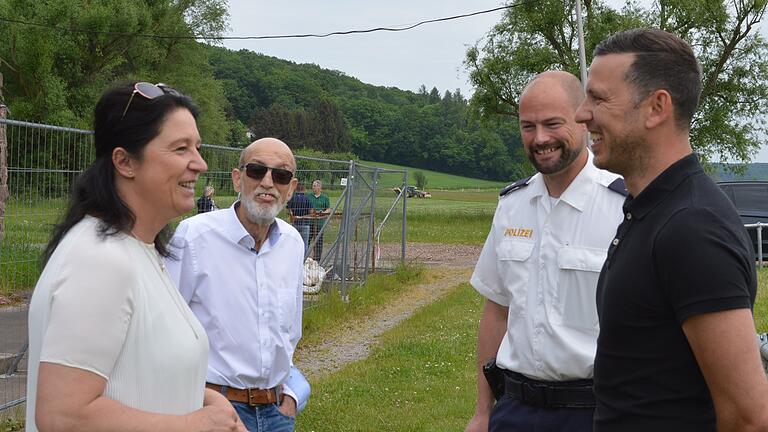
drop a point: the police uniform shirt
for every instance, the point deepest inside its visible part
(543, 262)
(681, 251)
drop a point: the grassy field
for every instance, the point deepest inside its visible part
(449, 217)
(320, 320)
(435, 180)
(761, 301)
(421, 377)
(12, 419)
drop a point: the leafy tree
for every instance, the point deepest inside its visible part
(536, 36)
(421, 180)
(434, 95)
(55, 75)
(323, 110)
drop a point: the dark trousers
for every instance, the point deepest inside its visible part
(318, 249)
(511, 415)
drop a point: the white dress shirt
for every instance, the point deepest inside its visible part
(107, 306)
(249, 302)
(543, 261)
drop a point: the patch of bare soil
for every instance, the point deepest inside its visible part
(432, 254)
(449, 265)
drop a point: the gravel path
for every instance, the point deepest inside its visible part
(435, 254)
(449, 265)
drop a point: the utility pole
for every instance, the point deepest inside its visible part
(3, 163)
(582, 57)
(582, 51)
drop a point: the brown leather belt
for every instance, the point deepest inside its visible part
(250, 396)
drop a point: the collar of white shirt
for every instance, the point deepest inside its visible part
(577, 194)
(236, 232)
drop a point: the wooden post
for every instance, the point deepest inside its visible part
(3, 163)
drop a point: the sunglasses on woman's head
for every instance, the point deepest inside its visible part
(257, 171)
(149, 91)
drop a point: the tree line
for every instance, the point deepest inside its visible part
(55, 70)
(315, 108)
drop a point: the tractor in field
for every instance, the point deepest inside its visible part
(412, 192)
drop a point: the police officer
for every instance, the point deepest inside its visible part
(539, 269)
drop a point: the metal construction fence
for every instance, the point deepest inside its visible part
(758, 227)
(365, 231)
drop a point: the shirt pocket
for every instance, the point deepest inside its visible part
(575, 294)
(514, 267)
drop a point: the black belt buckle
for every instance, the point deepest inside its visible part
(534, 394)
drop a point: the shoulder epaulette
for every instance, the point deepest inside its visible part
(515, 186)
(619, 187)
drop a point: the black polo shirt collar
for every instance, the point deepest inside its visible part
(662, 186)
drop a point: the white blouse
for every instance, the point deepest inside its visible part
(107, 305)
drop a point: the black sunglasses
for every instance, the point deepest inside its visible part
(149, 91)
(257, 171)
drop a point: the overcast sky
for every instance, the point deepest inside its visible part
(431, 54)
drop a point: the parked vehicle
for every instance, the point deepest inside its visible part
(751, 201)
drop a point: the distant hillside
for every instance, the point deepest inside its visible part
(753, 171)
(435, 180)
(326, 110)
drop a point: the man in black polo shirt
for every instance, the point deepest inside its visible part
(677, 349)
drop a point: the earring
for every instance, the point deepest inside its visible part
(130, 173)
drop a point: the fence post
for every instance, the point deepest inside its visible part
(3, 163)
(372, 227)
(760, 243)
(405, 216)
(345, 224)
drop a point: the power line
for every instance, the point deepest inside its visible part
(288, 36)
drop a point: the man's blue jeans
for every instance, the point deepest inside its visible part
(304, 232)
(264, 418)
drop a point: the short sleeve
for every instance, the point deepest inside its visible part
(486, 279)
(703, 265)
(91, 308)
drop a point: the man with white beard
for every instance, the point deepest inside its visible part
(240, 269)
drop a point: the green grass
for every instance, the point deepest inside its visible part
(27, 230)
(421, 377)
(330, 312)
(761, 301)
(12, 420)
(435, 180)
(11, 425)
(450, 217)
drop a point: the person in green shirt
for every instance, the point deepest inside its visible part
(321, 206)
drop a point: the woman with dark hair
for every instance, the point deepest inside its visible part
(112, 344)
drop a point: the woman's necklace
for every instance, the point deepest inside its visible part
(160, 260)
(167, 283)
